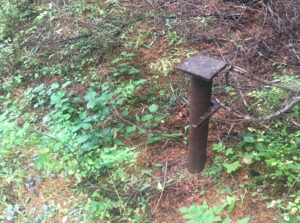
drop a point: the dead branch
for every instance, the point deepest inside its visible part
(162, 190)
(243, 72)
(285, 109)
(294, 122)
(58, 41)
(240, 92)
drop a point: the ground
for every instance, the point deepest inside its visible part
(242, 35)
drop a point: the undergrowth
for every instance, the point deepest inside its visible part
(76, 106)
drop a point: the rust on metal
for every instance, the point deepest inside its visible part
(202, 66)
(202, 69)
(214, 107)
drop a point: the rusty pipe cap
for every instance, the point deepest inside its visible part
(202, 66)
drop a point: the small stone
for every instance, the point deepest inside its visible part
(64, 219)
(31, 164)
(53, 210)
(18, 207)
(31, 181)
(31, 189)
(45, 207)
(294, 210)
(247, 160)
(74, 212)
(38, 219)
(37, 179)
(10, 214)
(28, 199)
(53, 175)
(271, 204)
(35, 156)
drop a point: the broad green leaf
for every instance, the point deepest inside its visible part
(172, 135)
(83, 138)
(244, 220)
(232, 167)
(75, 100)
(249, 138)
(229, 152)
(153, 139)
(38, 89)
(129, 55)
(146, 186)
(116, 60)
(133, 71)
(130, 129)
(125, 113)
(141, 131)
(55, 99)
(91, 104)
(54, 86)
(260, 147)
(90, 95)
(147, 117)
(153, 108)
(66, 84)
(227, 220)
(86, 126)
(158, 118)
(231, 206)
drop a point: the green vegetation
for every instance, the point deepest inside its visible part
(203, 213)
(77, 136)
(79, 107)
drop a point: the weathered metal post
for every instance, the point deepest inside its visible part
(202, 70)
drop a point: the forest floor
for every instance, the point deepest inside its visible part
(163, 35)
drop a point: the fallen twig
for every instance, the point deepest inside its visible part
(294, 122)
(162, 190)
(246, 74)
(285, 109)
(58, 41)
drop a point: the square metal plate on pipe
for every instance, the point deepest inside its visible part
(202, 66)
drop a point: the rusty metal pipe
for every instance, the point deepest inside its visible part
(202, 70)
(200, 103)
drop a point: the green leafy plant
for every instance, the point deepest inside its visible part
(279, 150)
(72, 129)
(215, 170)
(231, 163)
(270, 98)
(205, 214)
(150, 121)
(274, 148)
(200, 213)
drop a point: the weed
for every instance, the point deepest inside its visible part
(216, 170)
(206, 214)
